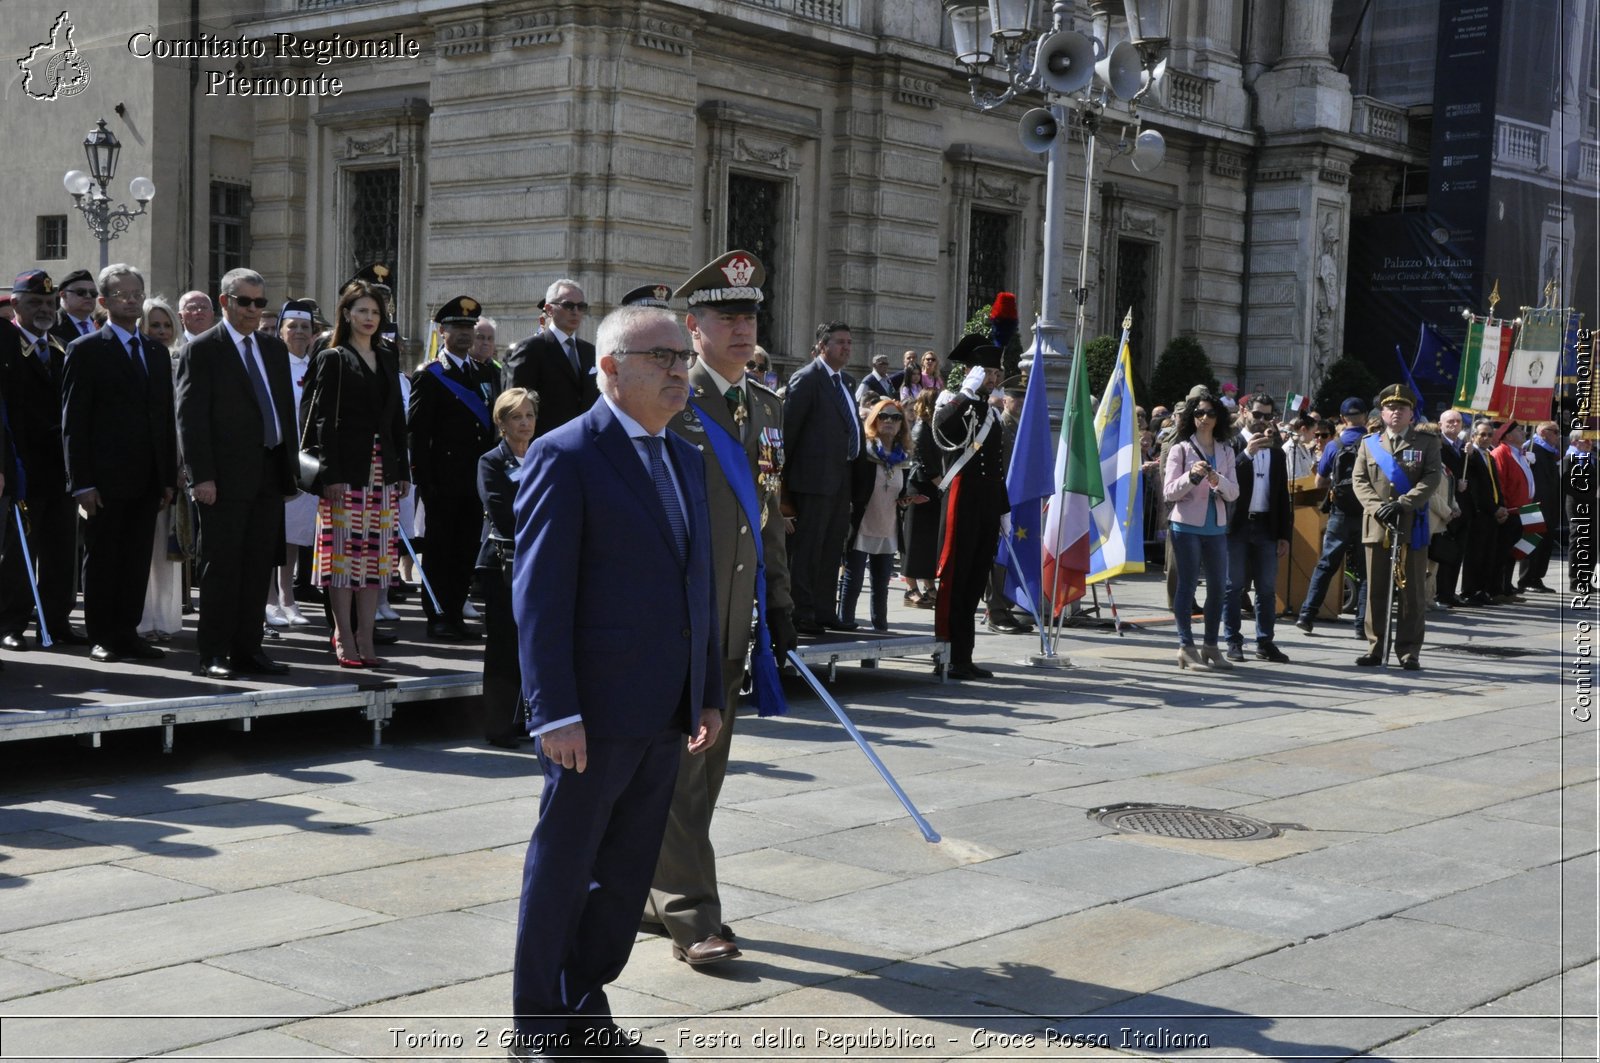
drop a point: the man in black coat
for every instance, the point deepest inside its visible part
(1544, 458)
(822, 436)
(121, 447)
(237, 420)
(1258, 534)
(554, 362)
(76, 294)
(451, 428)
(968, 431)
(31, 360)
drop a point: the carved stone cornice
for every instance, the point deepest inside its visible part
(662, 35)
(918, 92)
(466, 37)
(531, 30)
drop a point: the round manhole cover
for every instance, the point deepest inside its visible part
(1182, 821)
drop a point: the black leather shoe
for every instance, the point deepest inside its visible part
(1303, 623)
(1235, 653)
(968, 671)
(1006, 626)
(141, 650)
(446, 632)
(68, 637)
(809, 627)
(1536, 586)
(1266, 651)
(216, 668)
(1369, 660)
(1411, 664)
(258, 664)
(104, 655)
(843, 625)
(14, 642)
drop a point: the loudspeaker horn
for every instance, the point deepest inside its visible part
(1120, 71)
(1037, 130)
(1149, 149)
(1065, 60)
(1150, 80)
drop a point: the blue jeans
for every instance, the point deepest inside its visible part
(856, 562)
(1252, 558)
(1195, 553)
(1341, 540)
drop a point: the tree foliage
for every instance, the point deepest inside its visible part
(1345, 378)
(1182, 365)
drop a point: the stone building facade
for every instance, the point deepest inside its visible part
(493, 148)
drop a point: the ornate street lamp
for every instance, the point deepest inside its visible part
(89, 195)
(1087, 82)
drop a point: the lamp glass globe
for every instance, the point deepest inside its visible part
(76, 182)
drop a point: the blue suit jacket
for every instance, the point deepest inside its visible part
(610, 625)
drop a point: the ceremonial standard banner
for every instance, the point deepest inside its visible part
(1528, 379)
(1485, 352)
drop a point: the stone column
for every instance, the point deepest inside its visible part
(1303, 90)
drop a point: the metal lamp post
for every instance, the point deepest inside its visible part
(1079, 77)
(89, 190)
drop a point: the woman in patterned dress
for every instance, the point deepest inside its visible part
(358, 418)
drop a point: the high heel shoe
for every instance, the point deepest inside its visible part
(1189, 657)
(344, 662)
(1214, 659)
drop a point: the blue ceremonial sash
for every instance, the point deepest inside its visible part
(766, 684)
(1402, 484)
(469, 398)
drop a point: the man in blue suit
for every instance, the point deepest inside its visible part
(612, 510)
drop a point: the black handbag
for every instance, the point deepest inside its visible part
(312, 464)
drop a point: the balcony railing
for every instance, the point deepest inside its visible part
(1186, 93)
(1521, 146)
(1370, 117)
(1588, 162)
(830, 12)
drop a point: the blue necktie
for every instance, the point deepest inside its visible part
(854, 450)
(269, 413)
(668, 496)
(42, 349)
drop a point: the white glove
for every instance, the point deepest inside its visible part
(974, 379)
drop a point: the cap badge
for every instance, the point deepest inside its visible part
(739, 270)
(662, 292)
(469, 306)
(381, 272)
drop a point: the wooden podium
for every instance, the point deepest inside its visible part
(1305, 548)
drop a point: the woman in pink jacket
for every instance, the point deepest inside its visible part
(1199, 485)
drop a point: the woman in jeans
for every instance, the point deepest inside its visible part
(1199, 485)
(878, 491)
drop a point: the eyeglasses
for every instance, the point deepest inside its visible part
(1261, 415)
(245, 300)
(568, 304)
(665, 357)
(1206, 412)
(890, 417)
(81, 293)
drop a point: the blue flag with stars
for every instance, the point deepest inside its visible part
(1029, 481)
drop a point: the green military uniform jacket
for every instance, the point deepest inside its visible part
(733, 550)
(1418, 455)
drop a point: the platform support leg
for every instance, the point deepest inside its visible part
(169, 725)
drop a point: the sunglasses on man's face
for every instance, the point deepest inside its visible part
(245, 300)
(568, 304)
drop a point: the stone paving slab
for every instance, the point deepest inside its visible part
(897, 849)
(33, 852)
(219, 1004)
(1257, 851)
(457, 830)
(796, 875)
(376, 962)
(421, 887)
(278, 859)
(1156, 789)
(124, 942)
(79, 892)
(932, 912)
(1261, 778)
(1082, 962)
(735, 831)
(206, 826)
(1107, 866)
(1389, 864)
(1273, 902)
(18, 979)
(260, 1045)
(1476, 836)
(1428, 967)
(1233, 1014)
(1550, 905)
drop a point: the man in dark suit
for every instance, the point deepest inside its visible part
(1454, 460)
(1258, 533)
(31, 360)
(736, 422)
(1544, 458)
(612, 509)
(450, 429)
(77, 295)
(822, 436)
(876, 386)
(554, 362)
(237, 421)
(122, 453)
